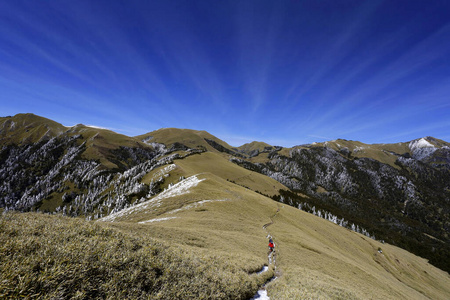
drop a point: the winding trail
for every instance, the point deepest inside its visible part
(262, 293)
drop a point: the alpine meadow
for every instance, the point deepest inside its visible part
(180, 214)
(254, 150)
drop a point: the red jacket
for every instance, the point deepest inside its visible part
(271, 245)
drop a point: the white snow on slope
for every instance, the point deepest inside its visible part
(90, 126)
(420, 143)
(421, 148)
(178, 189)
(164, 171)
(157, 220)
(97, 127)
(264, 269)
(261, 295)
(359, 149)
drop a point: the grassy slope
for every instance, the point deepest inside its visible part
(24, 129)
(218, 165)
(317, 258)
(249, 147)
(50, 257)
(380, 152)
(188, 137)
(100, 141)
(231, 225)
(27, 128)
(321, 259)
(222, 240)
(207, 251)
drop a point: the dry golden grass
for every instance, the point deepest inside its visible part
(380, 152)
(50, 257)
(27, 128)
(260, 158)
(316, 258)
(213, 229)
(253, 146)
(214, 163)
(322, 260)
(100, 141)
(187, 137)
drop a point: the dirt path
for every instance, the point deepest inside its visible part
(272, 255)
(262, 293)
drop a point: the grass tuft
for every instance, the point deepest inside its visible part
(54, 257)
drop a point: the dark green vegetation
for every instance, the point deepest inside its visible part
(80, 171)
(408, 206)
(399, 193)
(48, 257)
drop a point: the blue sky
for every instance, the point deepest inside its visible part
(283, 72)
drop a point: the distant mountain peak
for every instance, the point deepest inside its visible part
(421, 143)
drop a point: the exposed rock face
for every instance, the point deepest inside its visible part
(395, 192)
(400, 204)
(54, 172)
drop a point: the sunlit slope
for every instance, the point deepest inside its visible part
(315, 258)
(28, 128)
(100, 143)
(216, 164)
(56, 257)
(207, 212)
(385, 153)
(188, 137)
(250, 147)
(321, 259)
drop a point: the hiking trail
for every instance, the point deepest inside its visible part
(262, 293)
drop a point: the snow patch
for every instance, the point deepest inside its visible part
(421, 148)
(157, 220)
(264, 269)
(358, 149)
(147, 139)
(97, 127)
(164, 171)
(90, 126)
(421, 143)
(261, 295)
(178, 189)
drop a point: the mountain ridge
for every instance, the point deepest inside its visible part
(398, 193)
(31, 118)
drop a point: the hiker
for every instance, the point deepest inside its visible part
(271, 245)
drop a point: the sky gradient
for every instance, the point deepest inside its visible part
(282, 72)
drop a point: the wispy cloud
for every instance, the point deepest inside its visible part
(319, 137)
(335, 53)
(274, 71)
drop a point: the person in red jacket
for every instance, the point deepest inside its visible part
(271, 245)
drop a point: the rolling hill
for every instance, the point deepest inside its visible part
(191, 204)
